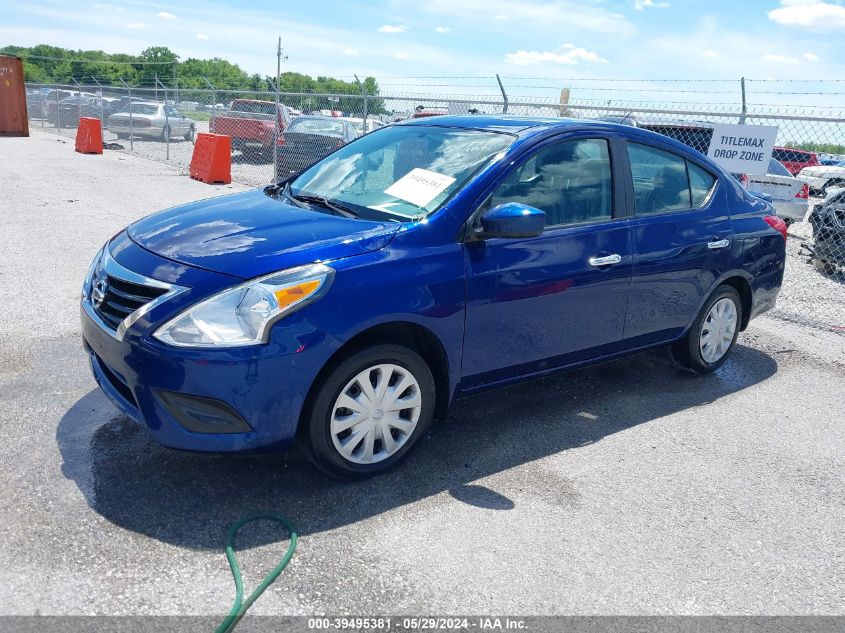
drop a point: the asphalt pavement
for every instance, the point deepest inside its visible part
(627, 488)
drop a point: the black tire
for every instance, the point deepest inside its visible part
(687, 352)
(317, 432)
(189, 136)
(165, 133)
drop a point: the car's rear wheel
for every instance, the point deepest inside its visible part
(189, 135)
(369, 412)
(712, 336)
(165, 133)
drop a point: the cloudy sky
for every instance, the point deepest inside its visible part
(448, 38)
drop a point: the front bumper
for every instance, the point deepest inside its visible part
(258, 390)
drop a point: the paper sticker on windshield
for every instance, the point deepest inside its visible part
(419, 186)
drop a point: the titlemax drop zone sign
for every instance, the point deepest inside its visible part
(743, 149)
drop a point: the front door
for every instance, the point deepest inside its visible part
(538, 303)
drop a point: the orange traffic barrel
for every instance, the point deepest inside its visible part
(13, 119)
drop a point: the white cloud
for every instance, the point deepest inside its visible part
(402, 56)
(393, 28)
(548, 16)
(809, 14)
(443, 29)
(780, 59)
(639, 5)
(351, 51)
(166, 15)
(135, 25)
(708, 54)
(567, 54)
(202, 36)
(811, 57)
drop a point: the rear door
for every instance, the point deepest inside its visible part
(542, 302)
(682, 239)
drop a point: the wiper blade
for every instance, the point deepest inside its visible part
(286, 192)
(334, 207)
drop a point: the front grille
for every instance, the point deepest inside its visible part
(122, 298)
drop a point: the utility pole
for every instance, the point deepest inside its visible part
(278, 87)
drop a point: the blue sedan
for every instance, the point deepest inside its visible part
(349, 305)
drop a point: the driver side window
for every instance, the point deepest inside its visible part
(570, 181)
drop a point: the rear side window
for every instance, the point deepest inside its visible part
(660, 180)
(701, 182)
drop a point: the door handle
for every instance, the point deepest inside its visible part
(607, 260)
(715, 246)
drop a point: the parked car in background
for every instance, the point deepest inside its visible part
(828, 223)
(790, 195)
(422, 113)
(795, 159)
(358, 123)
(428, 260)
(308, 139)
(151, 120)
(251, 124)
(53, 101)
(823, 177)
(75, 107)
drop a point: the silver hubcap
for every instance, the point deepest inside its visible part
(717, 331)
(375, 414)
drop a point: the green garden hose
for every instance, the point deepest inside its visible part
(240, 606)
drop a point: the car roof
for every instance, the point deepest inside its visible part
(524, 126)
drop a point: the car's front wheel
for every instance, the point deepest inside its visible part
(369, 412)
(711, 338)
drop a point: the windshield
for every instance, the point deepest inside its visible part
(776, 169)
(405, 170)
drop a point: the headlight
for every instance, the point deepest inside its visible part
(242, 315)
(95, 265)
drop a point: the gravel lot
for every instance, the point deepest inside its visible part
(629, 488)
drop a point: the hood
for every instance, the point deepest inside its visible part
(250, 234)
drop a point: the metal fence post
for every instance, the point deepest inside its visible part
(744, 105)
(504, 95)
(102, 106)
(214, 102)
(277, 132)
(43, 112)
(364, 106)
(58, 116)
(166, 130)
(131, 128)
(79, 99)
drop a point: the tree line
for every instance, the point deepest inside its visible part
(52, 64)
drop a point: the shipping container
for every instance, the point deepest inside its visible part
(13, 118)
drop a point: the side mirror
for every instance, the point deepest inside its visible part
(512, 220)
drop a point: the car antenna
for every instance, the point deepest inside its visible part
(624, 118)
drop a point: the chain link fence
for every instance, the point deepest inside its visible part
(275, 134)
